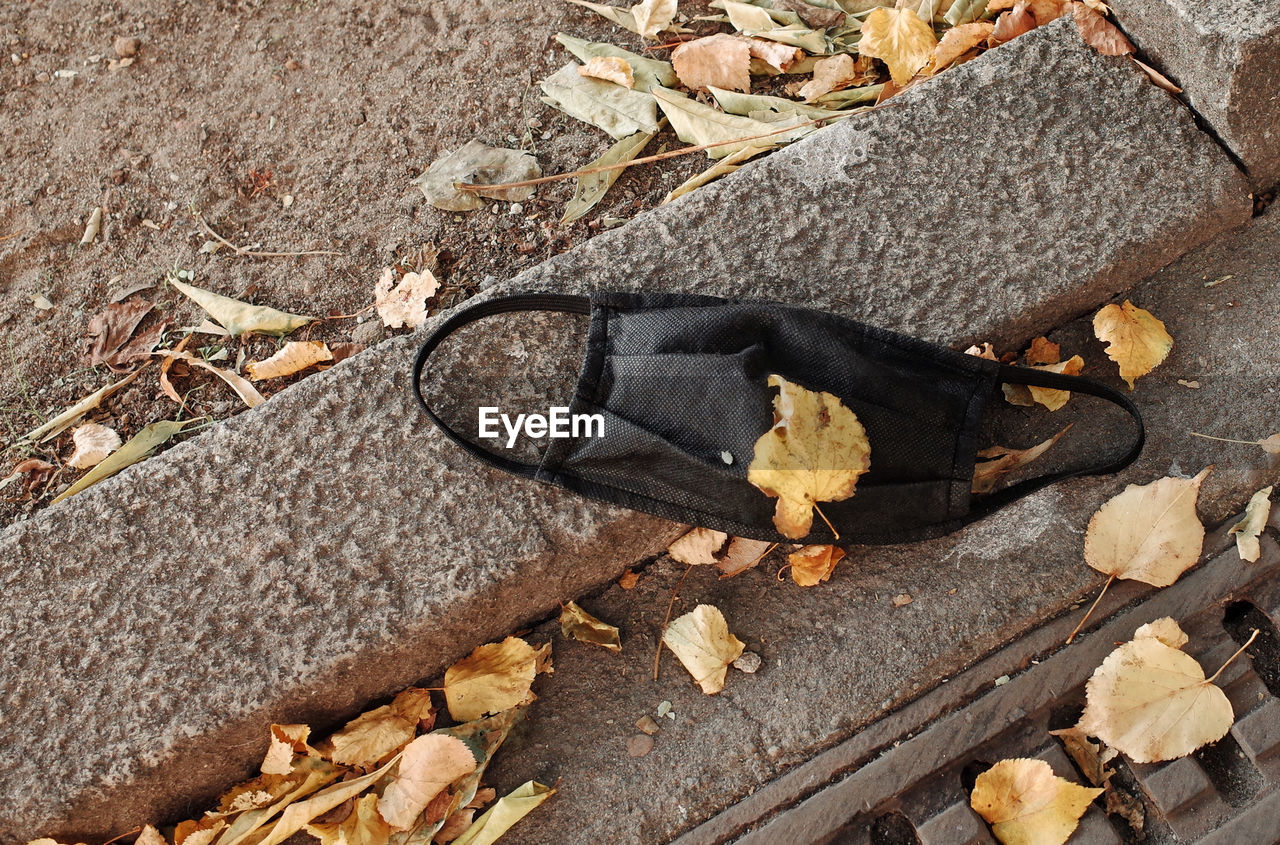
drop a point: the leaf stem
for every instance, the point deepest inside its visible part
(1223, 439)
(1214, 676)
(834, 532)
(1092, 607)
(657, 655)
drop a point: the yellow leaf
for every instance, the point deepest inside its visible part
(285, 741)
(900, 39)
(367, 739)
(491, 679)
(698, 547)
(702, 642)
(1252, 524)
(720, 61)
(1050, 397)
(1151, 701)
(1043, 351)
(510, 809)
(405, 304)
(138, 447)
(363, 827)
(814, 564)
(1148, 532)
(1003, 460)
(1135, 339)
(254, 803)
(1027, 804)
(297, 814)
(427, 766)
(582, 626)
(610, 69)
(240, 317)
(724, 167)
(295, 356)
(815, 452)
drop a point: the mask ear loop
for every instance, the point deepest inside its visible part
(521, 302)
(1039, 378)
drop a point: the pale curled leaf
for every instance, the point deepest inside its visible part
(1148, 532)
(610, 69)
(404, 303)
(700, 639)
(815, 452)
(831, 74)
(493, 678)
(243, 388)
(427, 765)
(780, 57)
(1027, 804)
(1152, 702)
(476, 163)
(150, 836)
(509, 809)
(1253, 522)
(294, 357)
(653, 16)
(1135, 339)
(900, 39)
(240, 317)
(812, 565)
(576, 623)
(93, 444)
(647, 72)
(138, 447)
(698, 547)
(720, 61)
(1017, 21)
(297, 814)
(286, 740)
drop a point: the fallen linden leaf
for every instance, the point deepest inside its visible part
(491, 679)
(1027, 804)
(703, 644)
(93, 443)
(742, 554)
(1151, 701)
(959, 40)
(610, 69)
(427, 765)
(698, 547)
(364, 826)
(1017, 21)
(812, 565)
(365, 741)
(240, 317)
(294, 357)
(720, 61)
(1135, 339)
(150, 836)
(509, 809)
(286, 740)
(577, 624)
(900, 39)
(653, 16)
(1052, 398)
(1002, 460)
(1246, 531)
(815, 452)
(405, 304)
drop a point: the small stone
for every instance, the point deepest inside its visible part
(126, 46)
(515, 208)
(287, 200)
(368, 333)
(1190, 385)
(646, 725)
(292, 64)
(1002, 680)
(639, 745)
(748, 662)
(902, 600)
(664, 708)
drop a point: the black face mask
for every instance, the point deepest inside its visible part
(682, 384)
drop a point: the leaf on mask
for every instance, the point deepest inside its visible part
(701, 641)
(724, 167)
(653, 16)
(138, 447)
(1026, 803)
(815, 452)
(698, 123)
(1151, 701)
(93, 443)
(647, 72)
(1246, 531)
(812, 565)
(427, 765)
(959, 40)
(698, 547)
(403, 303)
(999, 461)
(610, 69)
(720, 61)
(478, 164)
(240, 317)
(1135, 339)
(509, 809)
(365, 741)
(590, 188)
(111, 338)
(1050, 397)
(619, 111)
(364, 826)
(294, 357)
(493, 678)
(577, 624)
(1148, 532)
(900, 39)
(1099, 33)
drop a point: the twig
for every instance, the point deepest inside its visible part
(252, 253)
(364, 310)
(1239, 651)
(1223, 439)
(12, 236)
(123, 835)
(1089, 613)
(657, 655)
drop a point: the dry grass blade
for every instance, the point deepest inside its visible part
(253, 253)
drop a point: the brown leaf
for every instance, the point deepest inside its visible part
(720, 61)
(742, 554)
(1002, 460)
(493, 678)
(812, 565)
(1017, 21)
(32, 473)
(1099, 33)
(959, 40)
(1043, 351)
(780, 56)
(1135, 338)
(1046, 11)
(815, 16)
(110, 331)
(629, 580)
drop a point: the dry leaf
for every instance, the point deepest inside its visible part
(138, 447)
(1148, 532)
(720, 61)
(240, 317)
(1271, 445)
(1158, 78)
(698, 547)
(93, 443)
(1135, 339)
(406, 303)
(1027, 804)
(582, 626)
(478, 164)
(900, 39)
(590, 188)
(901, 600)
(364, 826)
(455, 825)
(150, 836)
(1099, 33)
(1246, 531)
(702, 642)
(1050, 397)
(621, 112)
(986, 351)
(723, 167)
(648, 72)
(202, 832)
(959, 40)
(286, 740)
(653, 16)
(1152, 702)
(629, 580)
(698, 123)
(1043, 351)
(1047, 11)
(246, 391)
(815, 452)
(610, 69)
(812, 565)
(817, 17)
(52, 428)
(781, 57)
(366, 740)
(1001, 460)
(427, 765)
(830, 74)
(110, 331)
(299, 813)
(294, 357)
(741, 555)
(491, 679)
(1017, 21)
(510, 809)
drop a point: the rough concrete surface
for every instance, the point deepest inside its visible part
(331, 547)
(837, 656)
(1225, 55)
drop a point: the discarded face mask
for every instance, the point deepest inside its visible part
(702, 396)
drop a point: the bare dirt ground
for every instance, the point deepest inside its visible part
(227, 109)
